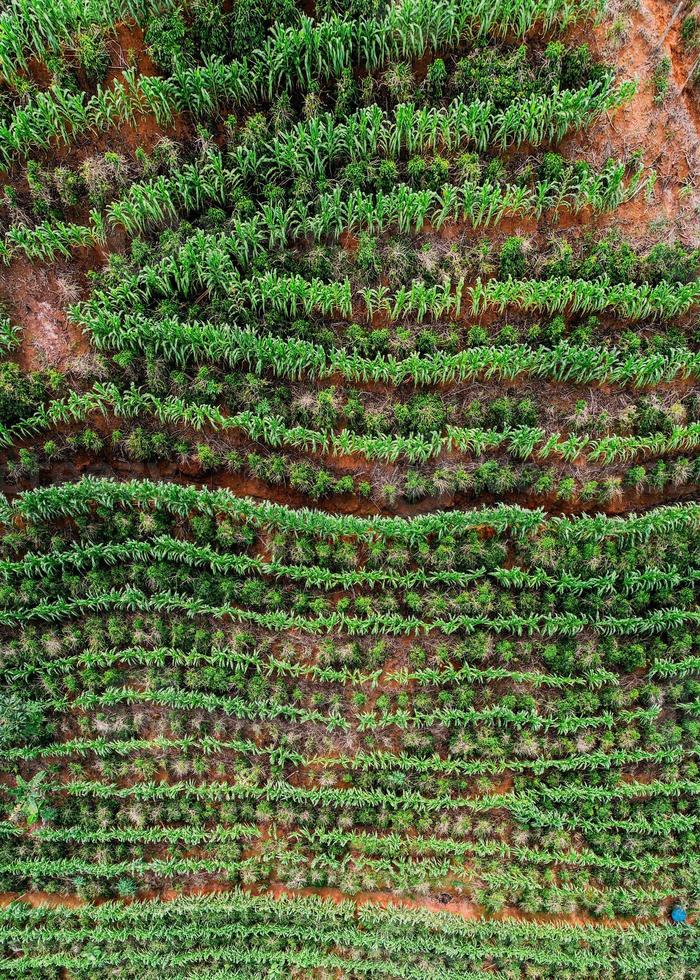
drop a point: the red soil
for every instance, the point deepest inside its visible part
(445, 903)
(32, 296)
(667, 135)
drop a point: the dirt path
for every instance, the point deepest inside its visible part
(444, 904)
(454, 905)
(629, 499)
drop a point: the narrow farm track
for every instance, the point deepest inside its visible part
(445, 904)
(626, 503)
(452, 905)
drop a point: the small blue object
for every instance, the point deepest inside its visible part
(678, 914)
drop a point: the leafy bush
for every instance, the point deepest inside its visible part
(91, 52)
(512, 262)
(671, 263)
(690, 31)
(489, 75)
(249, 22)
(168, 41)
(662, 79)
(21, 393)
(21, 720)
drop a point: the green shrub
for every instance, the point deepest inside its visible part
(436, 79)
(690, 31)
(91, 52)
(512, 263)
(662, 79)
(671, 263)
(210, 29)
(250, 21)
(20, 720)
(21, 394)
(167, 41)
(367, 256)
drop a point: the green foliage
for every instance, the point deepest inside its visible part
(690, 31)
(21, 722)
(249, 23)
(167, 40)
(21, 394)
(451, 672)
(512, 262)
(92, 54)
(436, 78)
(488, 75)
(210, 28)
(662, 79)
(368, 253)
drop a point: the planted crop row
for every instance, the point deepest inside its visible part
(333, 213)
(291, 56)
(199, 342)
(522, 443)
(219, 926)
(34, 31)
(79, 499)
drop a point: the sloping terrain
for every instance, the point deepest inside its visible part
(349, 451)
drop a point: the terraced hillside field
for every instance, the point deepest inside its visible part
(350, 489)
